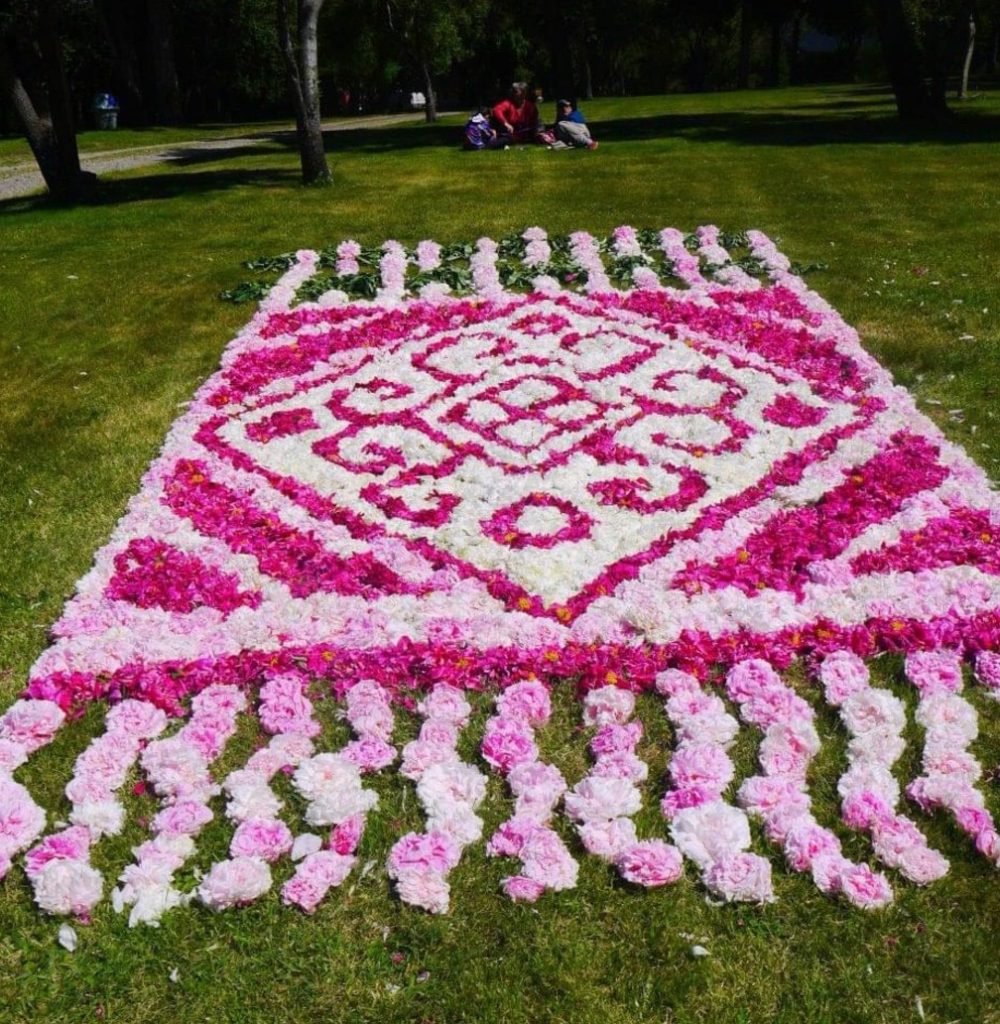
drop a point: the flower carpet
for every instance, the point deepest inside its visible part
(654, 462)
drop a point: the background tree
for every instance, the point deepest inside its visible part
(433, 36)
(33, 77)
(297, 35)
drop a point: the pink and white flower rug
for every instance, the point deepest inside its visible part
(661, 465)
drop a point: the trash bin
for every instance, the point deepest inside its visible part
(105, 108)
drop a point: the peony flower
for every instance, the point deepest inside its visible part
(21, 819)
(546, 860)
(265, 838)
(740, 877)
(597, 798)
(65, 886)
(186, 817)
(424, 888)
(608, 705)
(317, 873)
(521, 889)
(864, 888)
(650, 863)
(69, 844)
(447, 704)
(508, 742)
(710, 832)
(234, 883)
(31, 723)
(527, 701)
(435, 852)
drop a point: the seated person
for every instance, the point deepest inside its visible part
(479, 133)
(571, 129)
(516, 118)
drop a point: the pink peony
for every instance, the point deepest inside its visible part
(521, 889)
(284, 707)
(675, 800)
(436, 730)
(266, 838)
(614, 738)
(345, 837)
(425, 888)
(701, 764)
(623, 765)
(861, 809)
(608, 704)
(650, 863)
(446, 703)
(988, 670)
(865, 888)
(674, 682)
(710, 832)
(184, 818)
(842, 674)
(547, 861)
(68, 887)
(315, 875)
(608, 839)
(507, 743)
(21, 819)
(31, 723)
(934, 672)
(137, 718)
(431, 851)
(805, 841)
(510, 837)
(233, 883)
(70, 844)
(418, 756)
(527, 701)
(596, 798)
(741, 877)
(922, 865)
(369, 754)
(750, 679)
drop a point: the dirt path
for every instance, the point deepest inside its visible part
(24, 179)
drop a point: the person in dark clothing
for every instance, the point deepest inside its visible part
(571, 129)
(479, 133)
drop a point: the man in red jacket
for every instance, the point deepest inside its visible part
(517, 116)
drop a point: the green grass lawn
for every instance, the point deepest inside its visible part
(111, 319)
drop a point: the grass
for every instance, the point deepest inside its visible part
(110, 320)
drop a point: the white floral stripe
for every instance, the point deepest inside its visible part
(779, 796)
(449, 790)
(178, 771)
(875, 720)
(708, 830)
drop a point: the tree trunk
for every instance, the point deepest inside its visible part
(302, 67)
(431, 107)
(963, 89)
(166, 88)
(915, 102)
(54, 151)
(746, 41)
(588, 76)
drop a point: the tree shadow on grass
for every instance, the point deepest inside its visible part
(768, 128)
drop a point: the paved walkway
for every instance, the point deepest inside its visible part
(24, 179)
